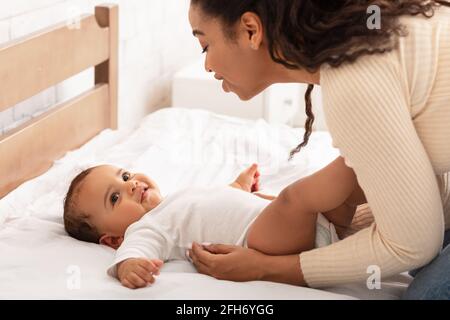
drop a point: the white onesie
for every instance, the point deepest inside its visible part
(213, 215)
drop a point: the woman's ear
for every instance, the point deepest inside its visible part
(111, 241)
(253, 27)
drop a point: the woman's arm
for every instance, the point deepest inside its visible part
(372, 125)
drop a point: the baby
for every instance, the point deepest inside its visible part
(125, 211)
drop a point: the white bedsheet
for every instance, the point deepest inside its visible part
(178, 148)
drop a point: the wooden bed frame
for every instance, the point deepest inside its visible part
(34, 63)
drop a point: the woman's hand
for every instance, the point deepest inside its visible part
(227, 262)
(234, 263)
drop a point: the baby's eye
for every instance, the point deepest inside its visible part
(114, 198)
(205, 49)
(126, 176)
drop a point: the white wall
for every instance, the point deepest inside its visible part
(155, 41)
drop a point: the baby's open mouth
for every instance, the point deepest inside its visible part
(144, 194)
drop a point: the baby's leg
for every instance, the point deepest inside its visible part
(283, 232)
(288, 224)
(342, 216)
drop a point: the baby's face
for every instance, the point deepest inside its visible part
(116, 198)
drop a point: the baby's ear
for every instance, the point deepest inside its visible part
(111, 241)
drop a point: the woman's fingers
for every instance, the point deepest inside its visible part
(200, 266)
(205, 258)
(220, 248)
(200, 254)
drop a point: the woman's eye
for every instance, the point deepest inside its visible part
(126, 176)
(205, 49)
(114, 198)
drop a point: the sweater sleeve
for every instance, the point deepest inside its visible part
(366, 106)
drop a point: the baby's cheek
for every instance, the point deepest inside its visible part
(153, 200)
(133, 212)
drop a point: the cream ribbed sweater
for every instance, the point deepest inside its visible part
(389, 115)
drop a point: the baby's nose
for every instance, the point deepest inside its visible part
(134, 185)
(137, 184)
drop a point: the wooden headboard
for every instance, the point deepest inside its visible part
(34, 63)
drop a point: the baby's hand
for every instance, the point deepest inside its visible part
(248, 180)
(138, 272)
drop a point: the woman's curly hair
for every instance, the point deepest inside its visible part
(305, 34)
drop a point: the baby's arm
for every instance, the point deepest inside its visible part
(140, 256)
(138, 272)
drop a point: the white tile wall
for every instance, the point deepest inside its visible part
(152, 32)
(30, 21)
(19, 7)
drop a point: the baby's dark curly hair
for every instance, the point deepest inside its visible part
(76, 222)
(305, 34)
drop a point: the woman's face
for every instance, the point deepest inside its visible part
(242, 64)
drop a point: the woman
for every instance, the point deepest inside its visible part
(384, 69)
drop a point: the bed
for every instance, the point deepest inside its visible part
(176, 147)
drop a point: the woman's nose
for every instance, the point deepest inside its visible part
(207, 67)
